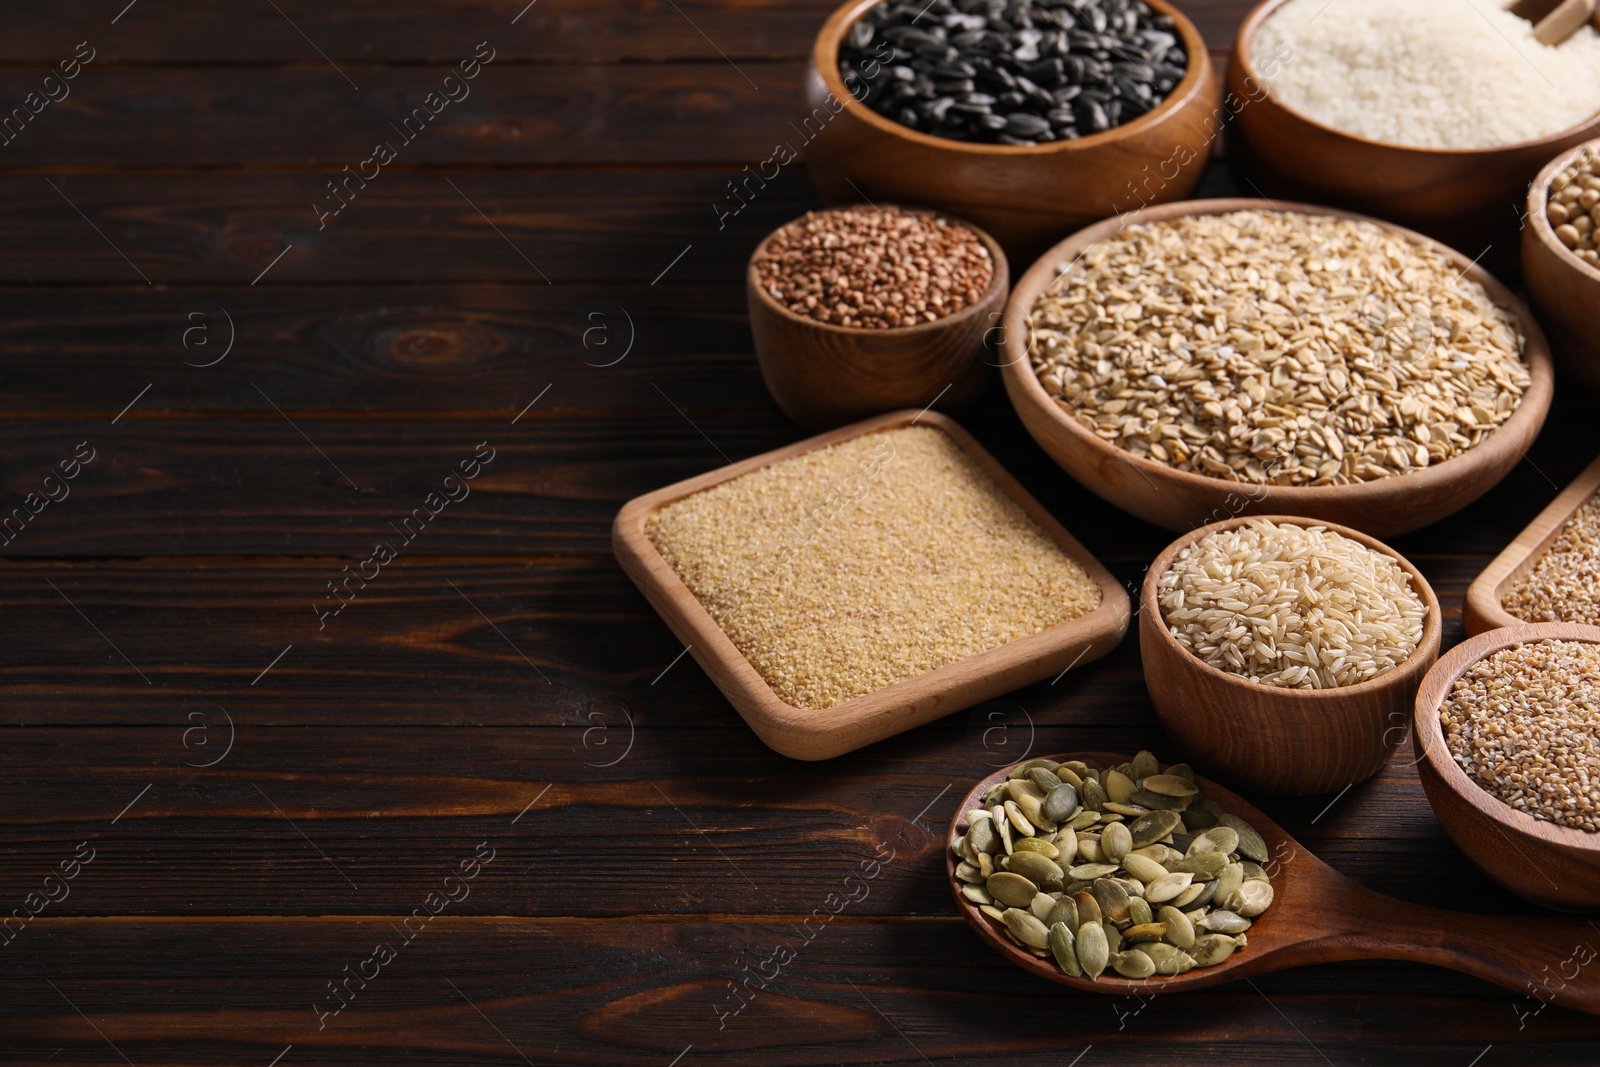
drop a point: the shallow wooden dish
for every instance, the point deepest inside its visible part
(1320, 916)
(1181, 500)
(823, 375)
(1026, 196)
(1555, 866)
(1467, 198)
(821, 734)
(1485, 605)
(1564, 290)
(1269, 738)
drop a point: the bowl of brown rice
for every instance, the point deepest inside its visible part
(1508, 730)
(1195, 361)
(1283, 653)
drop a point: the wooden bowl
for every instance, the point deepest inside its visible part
(823, 375)
(813, 734)
(1555, 866)
(1468, 198)
(1485, 605)
(1289, 742)
(1181, 500)
(1026, 195)
(1564, 290)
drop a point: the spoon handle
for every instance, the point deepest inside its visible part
(1551, 960)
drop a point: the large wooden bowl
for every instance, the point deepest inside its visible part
(1555, 866)
(1563, 289)
(1470, 199)
(1027, 196)
(1181, 500)
(1485, 609)
(823, 375)
(1286, 741)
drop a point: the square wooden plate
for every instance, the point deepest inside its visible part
(823, 733)
(1484, 608)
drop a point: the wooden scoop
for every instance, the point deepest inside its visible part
(1320, 916)
(1553, 20)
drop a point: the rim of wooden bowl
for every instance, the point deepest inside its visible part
(1241, 55)
(1413, 665)
(1436, 685)
(1236, 967)
(999, 279)
(825, 57)
(1538, 199)
(1284, 499)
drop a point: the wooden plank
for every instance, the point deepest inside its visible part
(349, 819)
(167, 482)
(360, 32)
(698, 112)
(378, 348)
(860, 992)
(570, 226)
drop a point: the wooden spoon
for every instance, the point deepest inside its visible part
(1320, 916)
(1553, 20)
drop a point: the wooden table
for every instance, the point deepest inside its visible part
(487, 812)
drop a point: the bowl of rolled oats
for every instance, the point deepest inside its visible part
(1196, 361)
(1507, 727)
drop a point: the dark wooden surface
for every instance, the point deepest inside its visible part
(500, 685)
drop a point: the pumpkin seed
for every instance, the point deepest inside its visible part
(1158, 802)
(1094, 952)
(1022, 787)
(1026, 928)
(1203, 865)
(1139, 911)
(1201, 815)
(1253, 897)
(1116, 842)
(1144, 765)
(1160, 853)
(1228, 883)
(1133, 964)
(1126, 810)
(1039, 870)
(1019, 822)
(985, 865)
(1112, 898)
(1168, 785)
(1143, 868)
(1092, 871)
(1064, 912)
(1168, 959)
(1113, 935)
(1119, 786)
(1223, 839)
(1253, 872)
(993, 912)
(1212, 949)
(1060, 802)
(1251, 844)
(1088, 907)
(1148, 829)
(1037, 844)
(1063, 946)
(1041, 906)
(969, 872)
(1093, 794)
(982, 836)
(1180, 931)
(977, 894)
(1045, 779)
(1084, 819)
(1089, 848)
(1190, 898)
(1182, 770)
(1066, 845)
(1011, 889)
(1144, 932)
(1166, 887)
(1223, 921)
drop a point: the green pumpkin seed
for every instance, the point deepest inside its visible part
(1019, 822)
(1158, 802)
(1167, 887)
(1133, 964)
(1094, 952)
(1025, 927)
(1063, 946)
(1092, 871)
(977, 894)
(1228, 883)
(969, 872)
(1119, 786)
(1011, 889)
(1144, 765)
(1066, 845)
(1143, 868)
(1041, 906)
(993, 912)
(985, 865)
(1037, 844)
(1130, 811)
(1060, 802)
(1203, 865)
(1088, 907)
(1113, 935)
(1038, 869)
(1168, 959)
(1223, 839)
(1144, 932)
(1251, 844)
(1112, 898)
(1084, 819)
(1180, 931)
(1148, 829)
(1116, 842)
(1089, 848)
(1168, 785)
(1197, 895)
(1065, 911)
(1139, 911)
(1212, 949)
(982, 837)
(1045, 779)
(1093, 795)
(1253, 897)
(1253, 871)
(1223, 921)
(1023, 787)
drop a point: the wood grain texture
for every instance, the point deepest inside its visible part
(1562, 288)
(1484, 608)
(1556, 866)
(1273, 739)
(1319, 916)
(1026, 196)
(1466, 198)
(1181, 500)
(821, 733)
(823, 376)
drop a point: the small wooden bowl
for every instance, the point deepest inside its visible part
(1466, 197)
(1563, 289)
(1485, 605)
(1181, 500)
(823, 375)
(813, 734)
(1027, 196)
(1291, 742)
(1554, 866)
